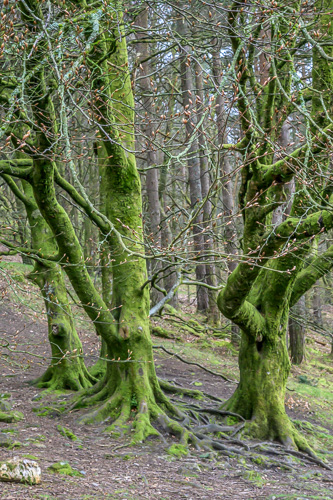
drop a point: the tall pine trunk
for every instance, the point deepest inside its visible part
(229, 229)
(212, 312)
(194, 172)
(147, 127)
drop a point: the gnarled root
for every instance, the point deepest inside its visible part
(147, 413)
(130, 410)
(60, 377)
(273, 425)
(140, 413)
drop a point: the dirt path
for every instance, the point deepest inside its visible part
(111, 470)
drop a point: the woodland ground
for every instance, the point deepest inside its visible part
(110, 468)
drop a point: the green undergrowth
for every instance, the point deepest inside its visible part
(15, 271)
(10, 416)
(316, 392)
(310, 389)
(9, 443)
(64, 468)
(175, 322)
(177, 450)
(318, 437)
(9, 431)
(47, 411)
(164, 333)
(53, 405)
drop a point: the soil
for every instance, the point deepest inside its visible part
(110, 468)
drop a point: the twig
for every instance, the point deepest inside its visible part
(193, 363)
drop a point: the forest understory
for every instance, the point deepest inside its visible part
(166, 248)
(106, 467)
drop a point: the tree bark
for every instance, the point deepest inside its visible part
(193, 161)
(212, 312)
(297, 333)
(264, 368)
(317, 305)
(67, 369)
(229, 230)
(147, 127)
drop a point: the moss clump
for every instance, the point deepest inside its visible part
(177, 450)
(47, 411)
(31, 457)
(254, 477)
(64, 468)
(159, 331)
(5, 395)
(67, 433)
(10, 417)
(5, 405)
(259, 460)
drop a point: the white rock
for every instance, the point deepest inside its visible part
(20, 470)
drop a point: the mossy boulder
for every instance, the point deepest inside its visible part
(20, 470)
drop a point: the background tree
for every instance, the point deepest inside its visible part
(270, 278)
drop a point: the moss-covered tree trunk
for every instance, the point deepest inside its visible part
(129, 394)
(264, 368)
(130, 388)
(263, 357)
(67, 369)
(270, 278)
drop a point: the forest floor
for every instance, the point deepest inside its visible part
(110, 468)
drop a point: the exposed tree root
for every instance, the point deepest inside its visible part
(98, 369)
(137, 407)
(177, 389)
(273, 425)
(133, 413)
(69, 376)
(269, 449)
(130, 412)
